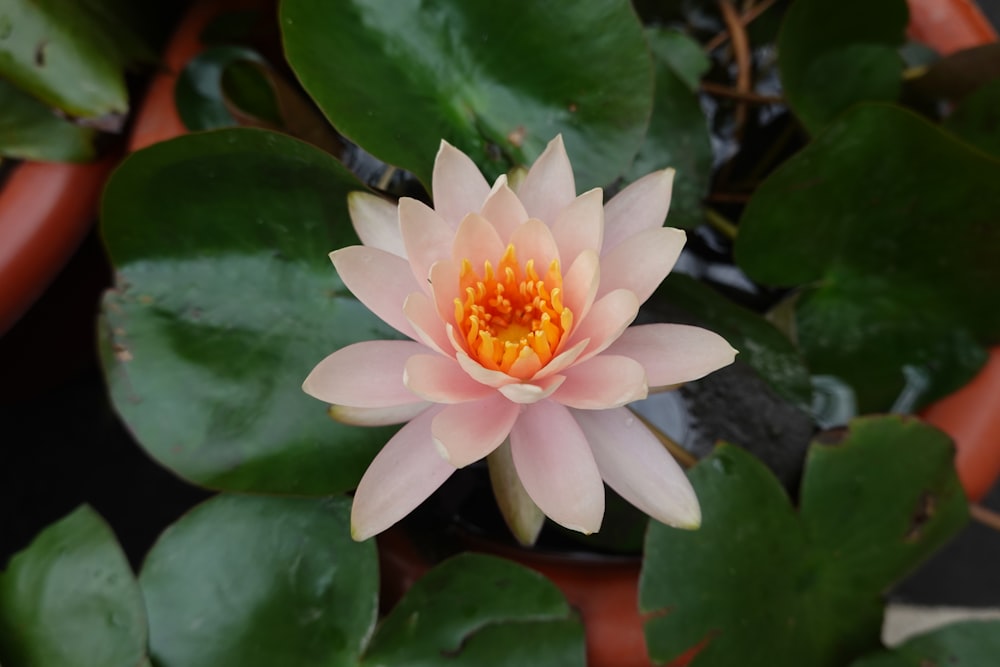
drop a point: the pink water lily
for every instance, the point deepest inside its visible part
(517, 306)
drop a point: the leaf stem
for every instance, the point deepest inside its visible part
(985, 516)
(720, 223)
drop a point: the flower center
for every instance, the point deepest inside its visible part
(512, 318)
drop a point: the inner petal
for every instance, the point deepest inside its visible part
(512, 315)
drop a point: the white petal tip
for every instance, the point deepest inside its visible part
(442, 450)
(359, 535)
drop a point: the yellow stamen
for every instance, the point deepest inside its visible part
(511, 312)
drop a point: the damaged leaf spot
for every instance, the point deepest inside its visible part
(40, 53)
(926, 507)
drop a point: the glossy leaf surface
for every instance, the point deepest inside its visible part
(765, 585)
(893, 225)
(834, 55)
(257, 581)
(31, 131)
(678, 134)
(59, 52)
(225, 300)
(479, 611)
(70, 600)
(497, 80)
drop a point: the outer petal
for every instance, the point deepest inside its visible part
(606, 321)
(603, 382)
(642, 205)
(441, 380)
(503, 209)
(557, 468)
(519, 511)
(467, 432)
(406, 471)
(549, 185)
(674, 353)
(365, 375)
(634, 463)
(376, 221)
(426, 237)
(641, 262)
(396, 414)
(580, 226)
(423, 316)
(380, 280)
(458, 186)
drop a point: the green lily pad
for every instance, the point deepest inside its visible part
(760, 343)
(498, 80)
(834, 55)
(762, 585)
(30, 131)
(248, 581)
(59, 52)
(200, 96)
(479, 611)
(678, 133)
(224, 301)
(70, 600)
(977, 119)
(966, 644)
(893, 225)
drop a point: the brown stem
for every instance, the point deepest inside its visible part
(985, 516)
(745, 19)
(748, 97)
(741, 52)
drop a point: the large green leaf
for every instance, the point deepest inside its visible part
(966, 644)
(479, 611)
(224, 301)
(893, 225)
(29, 130)
(678, 134)
(59, 52)
(70, 600)
(833, 55)
(497, 79)
(760, 343)
(764, 585)
(249, 581)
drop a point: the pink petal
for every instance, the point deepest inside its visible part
(379, 280)
(642, 205)
(441, 380)
(426, 237)
(376, 220)
(519, 511)
(557, 467)
(423, 317)
(606, 321)
(580, 226)
(525, 393)
(486, 376)
(444, 288)
(580, 284)
(562, 360)
(477, 241)
(503, 209)
(402, 475)
(549, 185)
(467, 432)
(365, 375)
(606, 381)
(674, 353)
(636, 465)
(396, 414)
(458, 186)
(533, 241)
(640, 263)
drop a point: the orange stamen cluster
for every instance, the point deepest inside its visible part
(512, 318)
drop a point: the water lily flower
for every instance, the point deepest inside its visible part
(517, 308)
